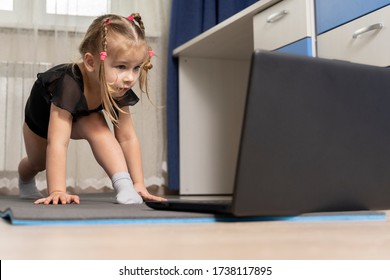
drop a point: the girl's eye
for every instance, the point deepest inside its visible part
(121, 67)
(137, 68)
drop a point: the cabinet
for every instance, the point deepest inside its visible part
(213, 76)
(214, 71)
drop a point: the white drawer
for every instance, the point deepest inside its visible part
(283, 23)
(371, 47)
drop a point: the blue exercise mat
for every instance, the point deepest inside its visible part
(102, 209)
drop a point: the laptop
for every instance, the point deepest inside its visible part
(315, 138)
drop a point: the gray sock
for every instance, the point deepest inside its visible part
(29, 190)
(125, 192)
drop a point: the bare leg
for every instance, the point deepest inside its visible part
(108, 153)
(32, 164)
(104, 145)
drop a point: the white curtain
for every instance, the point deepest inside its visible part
(34, 40)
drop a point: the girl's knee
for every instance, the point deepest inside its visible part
(37, 167)
(89, 127)
(34, 165)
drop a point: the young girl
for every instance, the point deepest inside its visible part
(66, 102)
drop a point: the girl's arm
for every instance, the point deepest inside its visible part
(60, 128)
(128, 140)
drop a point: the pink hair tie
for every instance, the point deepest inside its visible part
(103, 55)
(130, 18)
(151, 53)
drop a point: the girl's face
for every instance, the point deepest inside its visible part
(123, 64)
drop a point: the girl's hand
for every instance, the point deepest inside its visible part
(143, 192)
(59, 197)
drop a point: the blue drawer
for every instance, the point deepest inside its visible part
(301, 47)
(333, 13)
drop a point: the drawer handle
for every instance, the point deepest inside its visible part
(276, 16)
(361, 31)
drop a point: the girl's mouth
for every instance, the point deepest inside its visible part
(121, 91)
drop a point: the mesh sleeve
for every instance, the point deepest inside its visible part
(63, 91)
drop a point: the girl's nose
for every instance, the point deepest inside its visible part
(129, 77)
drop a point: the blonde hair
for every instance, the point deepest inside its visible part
(95, 42)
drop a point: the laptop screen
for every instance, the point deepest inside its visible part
(315, 137)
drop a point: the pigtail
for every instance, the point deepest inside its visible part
(147, 65)
(138, 19)
(109, 104)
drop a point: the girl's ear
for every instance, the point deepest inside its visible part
(89, 62)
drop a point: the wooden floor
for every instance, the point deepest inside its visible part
(248, 240)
